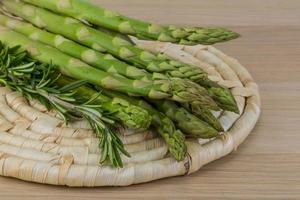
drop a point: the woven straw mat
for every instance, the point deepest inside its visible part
(36, 146)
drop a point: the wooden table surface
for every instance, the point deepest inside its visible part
(267, 165)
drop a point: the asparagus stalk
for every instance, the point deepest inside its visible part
(174, 138)
(205, 114)
(101, 61)
(185, 121)
(83, 10)
(160, 89)
(38, 81)
(131, 116)
(221, 95)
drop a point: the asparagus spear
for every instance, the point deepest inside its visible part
(186, 121)
(160, 89)
(97, 59)
(85, 11)
(131, 116)
(221, 95)
(204, 114)
(38, 81)
(174, 138)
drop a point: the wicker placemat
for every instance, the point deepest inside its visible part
(35, 145)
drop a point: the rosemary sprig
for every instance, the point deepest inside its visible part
(35, 80)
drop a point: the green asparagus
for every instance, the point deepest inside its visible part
(174, 138)
(221, 95)
(108, 61)
(97, 59)
(185, 121)
(160, 89)
(84, 11)
(101, 41)
(204, 114)
(131, 116)
(43, 18)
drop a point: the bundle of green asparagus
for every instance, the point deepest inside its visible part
(122, 49)
(100, 70)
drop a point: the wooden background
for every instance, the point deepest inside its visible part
(267, 165)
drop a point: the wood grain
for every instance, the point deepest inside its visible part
(267, 165)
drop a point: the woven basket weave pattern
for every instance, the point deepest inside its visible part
(35, 145)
